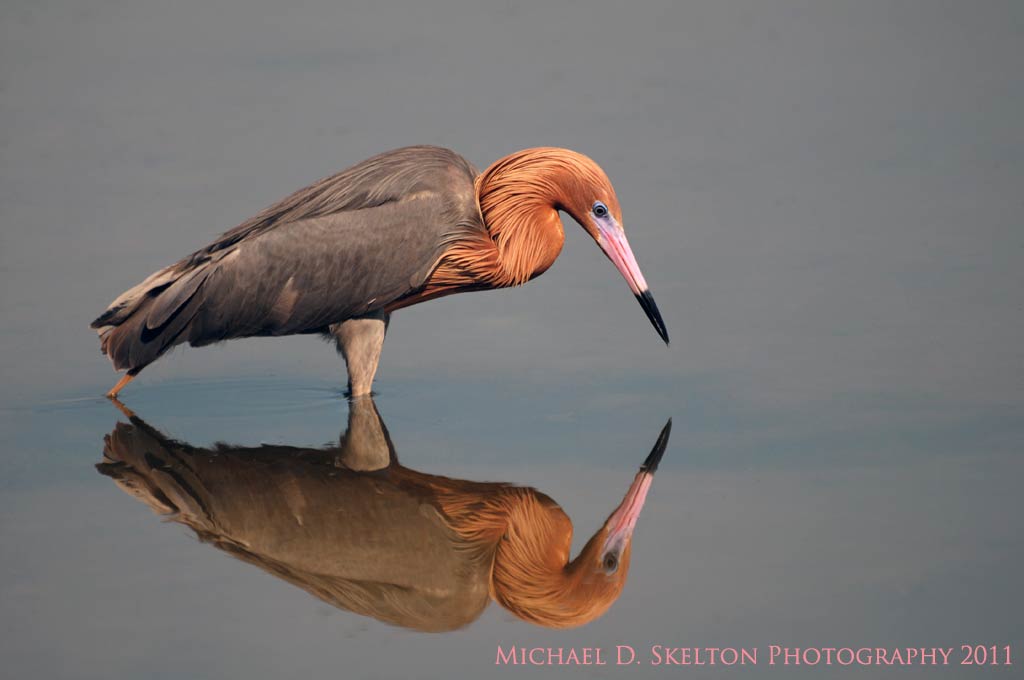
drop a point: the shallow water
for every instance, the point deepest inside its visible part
(825, 200)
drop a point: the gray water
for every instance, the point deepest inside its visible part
(825, 198)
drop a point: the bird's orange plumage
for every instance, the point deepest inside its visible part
(519, 198)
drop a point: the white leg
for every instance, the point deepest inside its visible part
(360, 341)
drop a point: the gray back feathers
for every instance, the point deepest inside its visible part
(347, 245)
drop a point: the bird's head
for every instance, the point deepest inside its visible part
(531, 185)
(531, 576)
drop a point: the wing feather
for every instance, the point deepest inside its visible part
(344, 246)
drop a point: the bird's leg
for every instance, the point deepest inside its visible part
(360, 340)
(125, 379)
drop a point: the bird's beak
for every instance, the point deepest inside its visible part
(623, 520)
(612, 240)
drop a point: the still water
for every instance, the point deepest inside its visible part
(824, 198)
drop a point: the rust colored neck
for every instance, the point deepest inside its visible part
(519, 198)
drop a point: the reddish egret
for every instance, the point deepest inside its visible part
(341, 255)
(402, 546)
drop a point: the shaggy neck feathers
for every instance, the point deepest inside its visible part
(519, 198)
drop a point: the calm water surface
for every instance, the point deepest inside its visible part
(825, 199)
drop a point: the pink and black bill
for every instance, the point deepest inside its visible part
(612, 240)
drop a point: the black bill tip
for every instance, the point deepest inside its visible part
(646, 301)
(651, 463)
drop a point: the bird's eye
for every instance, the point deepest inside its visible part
(610, 562)
(600, 209)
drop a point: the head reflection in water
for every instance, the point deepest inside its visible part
(353, 527)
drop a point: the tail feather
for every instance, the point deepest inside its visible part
(151, 318)
(130, 300)
(171, 300)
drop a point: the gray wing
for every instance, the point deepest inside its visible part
(344, 246)
(386, 178)
(302, 276)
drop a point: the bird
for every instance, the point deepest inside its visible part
(339, 256)
(356, 529)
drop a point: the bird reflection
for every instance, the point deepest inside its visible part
(358, 530)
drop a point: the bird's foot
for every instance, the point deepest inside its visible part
(125, 379)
